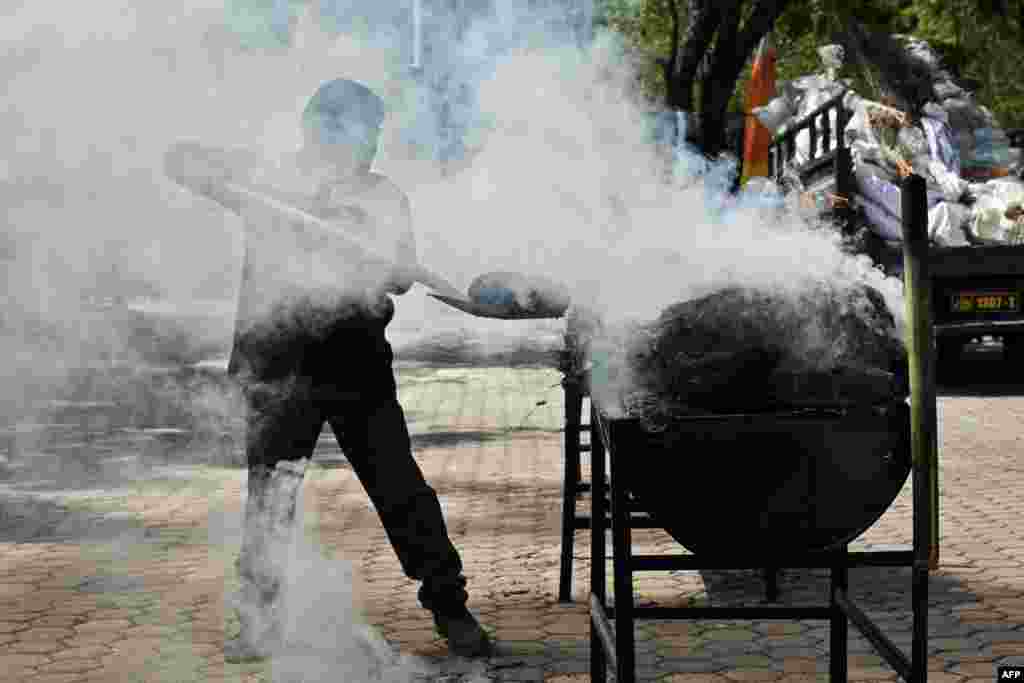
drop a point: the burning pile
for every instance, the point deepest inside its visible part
(740, 350)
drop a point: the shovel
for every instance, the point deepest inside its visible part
(317, 227)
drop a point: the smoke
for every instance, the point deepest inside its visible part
(323, 636)
(518, 152)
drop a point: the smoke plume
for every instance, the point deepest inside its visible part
(518, 151)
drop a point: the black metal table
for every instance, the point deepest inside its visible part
(615, 646)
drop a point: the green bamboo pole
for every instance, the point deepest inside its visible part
(923, 414)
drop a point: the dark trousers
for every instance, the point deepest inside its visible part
(284, 421)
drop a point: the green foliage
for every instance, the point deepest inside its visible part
(646, 26)
(972, 39)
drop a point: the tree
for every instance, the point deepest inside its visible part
(698, 49)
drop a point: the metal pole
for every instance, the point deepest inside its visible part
(838, 655)
(417, 34)
(924, 420)
(570, 484)
(622, 554)
(598, 539)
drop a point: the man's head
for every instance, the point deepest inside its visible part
(341, 125)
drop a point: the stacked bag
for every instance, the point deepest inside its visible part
(956, 141)
(982, 143)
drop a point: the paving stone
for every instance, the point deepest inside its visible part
(37, 647)
(752, 675)
(691, 664)
(13, 627)
(1000, 636)
(45, 634)
(572, 666)
(975, 668)
(16, 662)
(513, 661)
(110, 625)
(954, 644)
(725, 647)
(526, 674)
(731, 634)
(70, 666)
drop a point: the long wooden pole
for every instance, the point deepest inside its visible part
(319, 227)
(923, 412)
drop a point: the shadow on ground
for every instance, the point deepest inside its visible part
(879, 586)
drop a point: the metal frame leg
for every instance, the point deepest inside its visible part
(838, 626)
(570, 485)
(598, 568)
(919, 646)
(771, 584)
(625, 646)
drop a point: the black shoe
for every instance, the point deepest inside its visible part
(465, 636)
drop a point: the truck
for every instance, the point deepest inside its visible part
(977, 290)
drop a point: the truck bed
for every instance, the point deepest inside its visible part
(977, 290)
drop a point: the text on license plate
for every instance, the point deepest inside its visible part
(985, 302)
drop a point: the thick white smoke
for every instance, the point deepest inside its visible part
(561, 179)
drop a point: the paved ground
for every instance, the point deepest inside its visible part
(115, 556)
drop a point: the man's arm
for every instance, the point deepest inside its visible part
(208, 171)
(402, 280)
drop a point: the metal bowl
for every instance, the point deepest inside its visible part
(795, 482)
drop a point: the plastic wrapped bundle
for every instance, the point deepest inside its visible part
(740, 350)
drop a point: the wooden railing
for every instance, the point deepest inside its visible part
(824, 141)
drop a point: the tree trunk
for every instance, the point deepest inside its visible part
(732, 50)
(705, 16)
(719, 83)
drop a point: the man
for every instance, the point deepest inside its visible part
(310, 347)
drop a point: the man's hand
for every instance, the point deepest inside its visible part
(903, 168)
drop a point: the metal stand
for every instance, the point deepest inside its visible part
(573, 488)
(615, 646)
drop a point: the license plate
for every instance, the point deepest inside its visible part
(985, 302)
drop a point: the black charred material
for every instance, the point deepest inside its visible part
(740, 350)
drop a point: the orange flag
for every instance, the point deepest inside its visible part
(760, 91)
